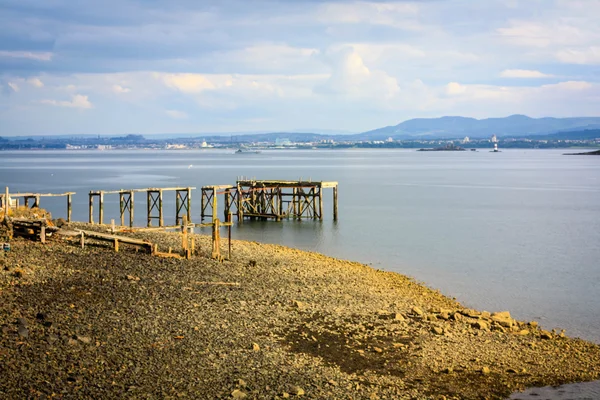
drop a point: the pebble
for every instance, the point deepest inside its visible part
(255, 347)
(238, 394)
(298, 391)
(84, 339)
(437, 330)
(23, 331)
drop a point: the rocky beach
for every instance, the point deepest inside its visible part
(272, 322)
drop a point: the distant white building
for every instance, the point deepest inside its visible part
(204, 144)
(283, 142)
(389, 140)
(494, 139)
(466, 140)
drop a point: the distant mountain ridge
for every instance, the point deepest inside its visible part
(453, 127)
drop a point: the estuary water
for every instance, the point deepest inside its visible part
(517, 230)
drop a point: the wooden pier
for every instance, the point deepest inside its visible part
(32, 200)
(154, 204)
(269, 199)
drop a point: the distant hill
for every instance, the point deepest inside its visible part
(454, 127)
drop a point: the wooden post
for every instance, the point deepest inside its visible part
(229, 235)
(69, 206)
(321, 203)
(112, 226)
(6, 202)
(131, 209)
(122, 208)
(149, 198)
(177, 205)
(202, 205)
(82, 241)
(214, 204)
(335, 203)
(37, 202)
(294, 212)
(280, 199)
(91, 209)
(300, 203)
(43, 233)
(193, 246)
(184, 234)
(216, 239)
(240, 204)
(160, 209)
(101, 206)
(189, 205)
(26, 201)
(116, 245)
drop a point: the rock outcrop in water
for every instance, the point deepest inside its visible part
(273, 322)
(589, 153)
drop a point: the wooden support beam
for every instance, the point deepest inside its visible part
(6, 202)
(161, 221)
(335, 203)
(122, 208)
(321, 204)
(69, 206)
(91, 209)
(101, 209)
(131, 209)
(214, 204)
(216, 240)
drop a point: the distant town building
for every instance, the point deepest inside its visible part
(283, 142)
(494, 139)
(466, 140)
(389, 140)
(204, 144)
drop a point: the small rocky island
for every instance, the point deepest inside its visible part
(588, 153)
(447, 147)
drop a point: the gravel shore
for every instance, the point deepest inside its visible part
(273, 322)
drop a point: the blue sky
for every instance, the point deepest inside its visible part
(157, 66)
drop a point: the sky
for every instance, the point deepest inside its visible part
(201, 66)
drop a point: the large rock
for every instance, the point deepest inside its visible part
(503, 319)
(482, 325)
(417, 311)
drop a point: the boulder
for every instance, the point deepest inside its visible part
(417, 311)
(482, 325)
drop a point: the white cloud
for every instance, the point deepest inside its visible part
(120, 89)
(523, 73)
(400, 15)
(77, 101)
(13, 86)
(176, 114)
(350, 77)
(455, 88)
(193, 83)
(590, 56)
(38, 56)
(35, 82)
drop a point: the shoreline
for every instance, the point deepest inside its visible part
(299, 323)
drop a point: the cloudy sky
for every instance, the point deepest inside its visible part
(199, 66)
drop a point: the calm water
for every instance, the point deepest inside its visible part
(517, 230)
